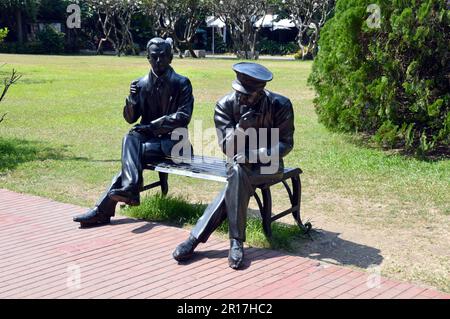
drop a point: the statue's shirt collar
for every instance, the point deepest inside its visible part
(161, 79)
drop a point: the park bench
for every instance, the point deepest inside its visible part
(214, 169)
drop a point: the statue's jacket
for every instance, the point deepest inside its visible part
(275, 112)
(165, 102)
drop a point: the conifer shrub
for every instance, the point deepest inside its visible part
(388, 77)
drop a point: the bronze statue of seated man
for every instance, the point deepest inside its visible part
(164, 102)
(248, 113)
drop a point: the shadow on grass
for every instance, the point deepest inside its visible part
(325, 246)
(14, 151)
(366, 141)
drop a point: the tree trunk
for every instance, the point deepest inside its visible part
(177, 47)
(311, 46)
(100, 46)
(19, 25)
(300, 43)
(131, 40)
(191, 49)
(253, 45)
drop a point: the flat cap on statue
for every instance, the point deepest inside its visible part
(250, 77)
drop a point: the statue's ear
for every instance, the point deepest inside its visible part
(169, 43)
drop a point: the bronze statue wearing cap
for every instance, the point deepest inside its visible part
(249, 107)
(163, 102)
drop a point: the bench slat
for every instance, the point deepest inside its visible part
(188, 173)
(203, 167)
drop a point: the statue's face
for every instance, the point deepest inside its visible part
(159, 59)
(249, 99)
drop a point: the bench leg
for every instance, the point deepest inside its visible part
(163, 177)
(266, 212)
(296, 202)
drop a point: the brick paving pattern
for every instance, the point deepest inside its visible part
(43, 254)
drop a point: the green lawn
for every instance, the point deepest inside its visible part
(61, 139)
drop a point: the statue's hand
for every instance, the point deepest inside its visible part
(249, 119)
(262, 154)
(133, 87)
(142, 128)
(240, 158)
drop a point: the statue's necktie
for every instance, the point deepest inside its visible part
(157, 91)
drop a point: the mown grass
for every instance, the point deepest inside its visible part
(74, 104)
(61, 139)
(177, 210)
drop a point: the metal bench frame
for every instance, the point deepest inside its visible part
(209, 168)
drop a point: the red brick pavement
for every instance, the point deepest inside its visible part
(43, 254)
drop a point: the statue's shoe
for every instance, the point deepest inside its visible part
(93, 218)
(236, 253)
(185, 250)
(128, 197)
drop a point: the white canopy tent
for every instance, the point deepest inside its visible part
(213, 22)
(270, 21)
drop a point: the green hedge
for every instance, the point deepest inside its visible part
(272, 47)
(391, 82)
(49, 41)
(52, 40)
(3, 34)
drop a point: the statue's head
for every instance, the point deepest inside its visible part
(159, 54)
(251, 79)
